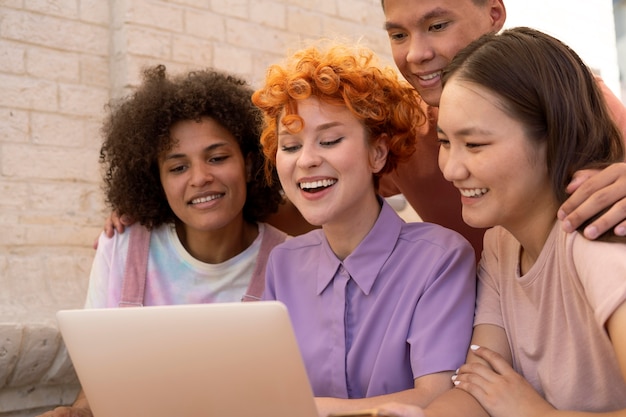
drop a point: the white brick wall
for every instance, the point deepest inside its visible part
(60, 62)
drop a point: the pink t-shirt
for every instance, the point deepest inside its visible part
(554, 315)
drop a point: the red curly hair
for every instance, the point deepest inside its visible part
(341, 75)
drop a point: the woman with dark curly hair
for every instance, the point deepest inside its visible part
(183, 158)
(382, 309)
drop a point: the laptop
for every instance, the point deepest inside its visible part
(209, 360)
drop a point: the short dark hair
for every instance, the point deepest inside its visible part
(137, 130)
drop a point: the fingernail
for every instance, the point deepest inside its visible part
(620, 231)
(591, 232)
(453, 378)
(474, 347)
(456, 382)
(560, 214)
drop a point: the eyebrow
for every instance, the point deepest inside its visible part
(209, 148)
(467, 131)
(433, 14)
(320, 128)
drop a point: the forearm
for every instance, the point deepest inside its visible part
(414, 396)
(455, 402)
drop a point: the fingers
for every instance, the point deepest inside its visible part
(109, 228)
(592, 192)
(116, 223)
(498, 364)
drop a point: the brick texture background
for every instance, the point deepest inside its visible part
(61, 61)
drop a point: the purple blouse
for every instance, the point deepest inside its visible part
(399, 307)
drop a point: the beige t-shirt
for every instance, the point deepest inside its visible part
(554, 315)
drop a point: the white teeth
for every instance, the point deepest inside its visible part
(476, 192)
(316, 184)
(205, 199)
(430, 76)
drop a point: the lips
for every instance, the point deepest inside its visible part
(316, 186)
(430, 76)
(206, 199)
(473, 192)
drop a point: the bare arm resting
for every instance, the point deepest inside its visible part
(426, 389)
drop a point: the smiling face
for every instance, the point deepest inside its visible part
(426, 34)
(327, 168)
(501, 173)
(204, 176)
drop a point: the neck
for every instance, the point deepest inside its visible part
(217, 246)
(345, 234)
(532, 233)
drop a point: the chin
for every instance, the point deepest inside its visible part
(478, 223)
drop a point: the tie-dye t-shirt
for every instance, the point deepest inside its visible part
(173, 276)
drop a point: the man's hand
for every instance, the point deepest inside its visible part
(114, 223)
(593, 191)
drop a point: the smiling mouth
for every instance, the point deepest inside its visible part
(429, 76)
(316, 186)
(473, 192)
(206, 199)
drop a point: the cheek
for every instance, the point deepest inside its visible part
(283, 167)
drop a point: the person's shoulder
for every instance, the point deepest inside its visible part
(309, 239)
(434, 233)
(273, 233)
(586, 250)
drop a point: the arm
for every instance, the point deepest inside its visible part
(426, 389)
(457, 402)
(504, 392)
(592, 191)
(80, 408)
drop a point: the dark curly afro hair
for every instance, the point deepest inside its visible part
(137, 131)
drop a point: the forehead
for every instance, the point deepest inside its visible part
(463, 102)
(428, 7)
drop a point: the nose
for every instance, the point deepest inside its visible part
(451, 164)
(309, 156)
(201, 174)
(420, 50)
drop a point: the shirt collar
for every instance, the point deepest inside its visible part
(367, 259)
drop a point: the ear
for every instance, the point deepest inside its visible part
(379, 150)
(497, 12)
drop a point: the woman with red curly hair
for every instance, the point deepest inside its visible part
(382, 309)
